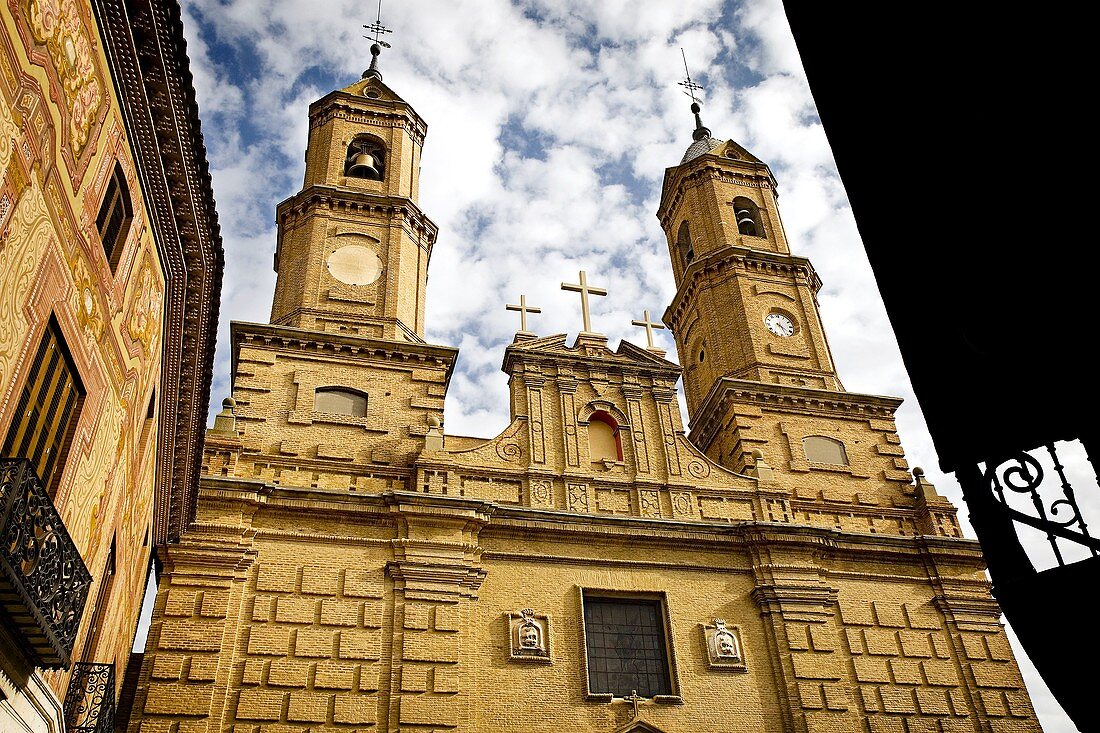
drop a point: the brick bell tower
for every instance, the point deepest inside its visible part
(353, 246)
(342, 373)
(758, 373)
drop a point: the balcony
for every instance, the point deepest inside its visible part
(90, 701)
(44, 583)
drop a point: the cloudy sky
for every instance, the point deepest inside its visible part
(550, 125)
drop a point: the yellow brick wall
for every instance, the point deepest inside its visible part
(397, 616)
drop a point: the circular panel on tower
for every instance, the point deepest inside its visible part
(354, 264)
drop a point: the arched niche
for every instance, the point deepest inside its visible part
(604, 438)
(340, 401)
(821, 449)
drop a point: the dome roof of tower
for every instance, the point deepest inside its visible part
(700, 147)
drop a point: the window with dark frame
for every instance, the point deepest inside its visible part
(48, 409)
(626, 646)
(115, 214)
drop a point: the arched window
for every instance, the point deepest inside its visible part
(115, 214)
(748, 217)
(820, 449)
(604, 443)
(366, 158)
(336, 401)
(683, 243)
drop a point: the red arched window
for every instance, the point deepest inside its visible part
(604, 443)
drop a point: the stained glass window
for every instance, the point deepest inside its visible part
(626, 647)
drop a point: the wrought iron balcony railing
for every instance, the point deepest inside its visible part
(1034, 490)
(44, 582)
(90, 701)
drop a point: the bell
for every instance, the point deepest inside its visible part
(363, 166)
(745, 222)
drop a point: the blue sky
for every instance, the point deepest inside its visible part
(550, 126)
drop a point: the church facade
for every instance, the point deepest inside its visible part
(593, 568)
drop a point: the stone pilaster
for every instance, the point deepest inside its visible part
(798, 606)
(187, 671)
(436, 573)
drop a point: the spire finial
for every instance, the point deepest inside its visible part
(690, 87)
(376, 48)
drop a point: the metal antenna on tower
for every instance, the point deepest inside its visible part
(377, 29)
(690, 87)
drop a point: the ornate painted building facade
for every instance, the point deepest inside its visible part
(593, 568)
(110, 269)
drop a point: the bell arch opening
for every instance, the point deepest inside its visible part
(683, 244)
(366, 159)
(747, 214)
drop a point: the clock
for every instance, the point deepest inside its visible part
(354, 264)
(779, 324)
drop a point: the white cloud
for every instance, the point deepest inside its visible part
(550, 125)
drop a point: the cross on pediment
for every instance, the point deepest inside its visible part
(633, 697)
(649, 325)
(523, 309)
(585, 290)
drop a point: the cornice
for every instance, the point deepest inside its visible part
(146, 51)
(359, 202)
(340, 102)
(711, 415)
(626, 360)
(739, 258)
(288, 338)
(709, 166)
(498, 520)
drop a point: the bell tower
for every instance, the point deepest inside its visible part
(353, 246)
(745, 307)
(757, 365)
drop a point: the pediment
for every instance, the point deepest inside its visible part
(589, 348)
(645, 356)
(549, 344)
(730, 149)
(639, 726)
(373, 89)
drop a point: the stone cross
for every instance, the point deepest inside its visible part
(648, 325)
(585, 290)
(633, 697)
(523, 309)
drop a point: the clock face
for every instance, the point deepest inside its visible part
(354, 264)
(779, 324)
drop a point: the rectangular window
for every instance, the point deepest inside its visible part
(627, 649)
(48, 408)
(115, 213)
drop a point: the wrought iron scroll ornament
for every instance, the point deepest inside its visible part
(41, 562)
(1060, 518)
(90, 700)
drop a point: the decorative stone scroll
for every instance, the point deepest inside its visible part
(724, 647)
(529, 637)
